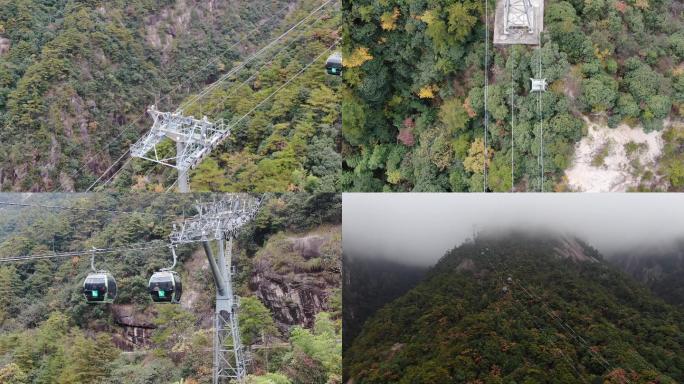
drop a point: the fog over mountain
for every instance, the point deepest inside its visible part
(419, 228)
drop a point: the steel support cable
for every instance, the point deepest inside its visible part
(107, 170)
(486, 91)
(209, 88)
(541, 127)
(218, 82)
(563, 325)
(512, 128)
(273, 58)
(193, 75)
(234, 91)
(540, 328)
(26, 205)
(88, 252)
(233, 124)
(565, 357)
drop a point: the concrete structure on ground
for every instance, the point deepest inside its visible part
(518, 22)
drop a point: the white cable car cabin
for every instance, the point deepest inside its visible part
(165, 287)
(333, 66)
(99, 288)
(538, 85)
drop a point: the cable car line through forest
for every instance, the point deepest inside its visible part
(114, 211)
(541, 328)
(512, 129)
(168, 95)
(235, 88)
(510, 280)
(215, 84)
(486, 91)
(154, 244)
(236, 122)
(606, 365)
(210, 87)
(564, 325)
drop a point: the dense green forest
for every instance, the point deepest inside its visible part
(77, 76)
(413, 107)
(48, 334)
(362, 274)
(521, 308)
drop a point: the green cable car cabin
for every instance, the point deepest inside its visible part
(333, 66)
(165, 287)
(99, 288)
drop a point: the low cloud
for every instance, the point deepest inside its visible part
(419, 228)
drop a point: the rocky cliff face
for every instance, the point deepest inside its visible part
(296, 275)
(135, 328)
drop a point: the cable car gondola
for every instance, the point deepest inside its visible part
(333, 66)
(99, 287)
(165, 285)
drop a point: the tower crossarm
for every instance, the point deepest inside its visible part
(216, 220)
(198, 136)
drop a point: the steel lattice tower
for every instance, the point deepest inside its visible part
(194, 139)
(220, 221)
(519, 16)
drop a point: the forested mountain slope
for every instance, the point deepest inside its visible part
(77, 77)
(659, 268)
(368, 284)
(565, 316)
(413, 113)
(287, 262)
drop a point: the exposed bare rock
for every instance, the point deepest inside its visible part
(295, 276)
(5, 45)
(309, 246)
(570, 248)
(466, 265)
(135, 327)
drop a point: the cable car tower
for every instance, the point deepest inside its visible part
(194, 138)
(220, 221)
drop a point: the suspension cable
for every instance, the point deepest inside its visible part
(168, 95)
(218, 82)
(512, 128)
(9, 203)
(606, 365)
(541, 127)
(282, 86)
(486, 90)
(154, 244)
(233, 71)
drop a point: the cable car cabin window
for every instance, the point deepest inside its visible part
(95, 289)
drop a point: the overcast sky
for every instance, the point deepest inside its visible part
(419, 228)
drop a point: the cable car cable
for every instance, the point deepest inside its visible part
(512, 128)
(486, 91)
(233, 124)
(131, 247)
(562, 324)
(207, 89)
(256, 72)
(26, 205)
(168, 96)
